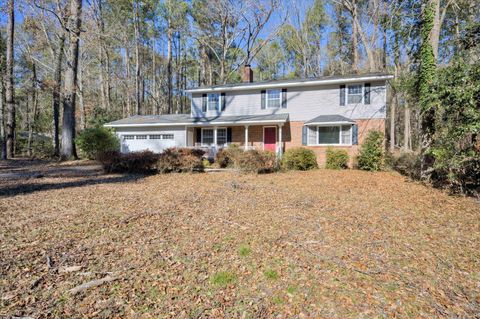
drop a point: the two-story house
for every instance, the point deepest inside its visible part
(335, 111)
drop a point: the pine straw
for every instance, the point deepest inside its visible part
(342, 244)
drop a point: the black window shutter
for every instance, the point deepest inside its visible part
(223, 101)
(304, 135)
(229, 135)
(342, 95)
(284, 98)
(355, 134)
(198, 132)
(204, 103)
(367, 93)
(263, 98)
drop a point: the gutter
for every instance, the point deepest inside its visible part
(289, 84)
(197, 124)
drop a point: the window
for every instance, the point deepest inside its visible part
(328, 135)
(141, 137)
(273, 98)
(355, 94)
(129, 137)
(167, 137)
(334, 135)
(221, 136)
(207, 136)
(213, 102)
(155, 137)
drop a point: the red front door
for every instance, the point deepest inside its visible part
(269, 138)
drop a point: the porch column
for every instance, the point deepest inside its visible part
(246, 137)
(280, 150)
(215, 137)
(186, 136)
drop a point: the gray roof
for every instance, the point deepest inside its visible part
(298, 81)
(186, 119)
(334, 118)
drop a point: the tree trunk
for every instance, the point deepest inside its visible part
(393, 109)
(354, 48)
(137, 62)
(33, 102)
(56, 94)
(3, 145)
(83, 123)
(9, 94)
(68, 124)
(407, 143)
(129, 78)
(169, 70)
(437, 25)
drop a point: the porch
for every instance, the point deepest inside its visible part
(269, 137)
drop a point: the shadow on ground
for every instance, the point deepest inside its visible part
(31, 187)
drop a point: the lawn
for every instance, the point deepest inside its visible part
(320, 244)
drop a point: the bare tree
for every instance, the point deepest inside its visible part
(68, 128)
(9, 94)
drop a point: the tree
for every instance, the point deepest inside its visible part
(9, 94)
(426, 78)
(68, 128)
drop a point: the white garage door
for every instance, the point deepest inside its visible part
(143, 142)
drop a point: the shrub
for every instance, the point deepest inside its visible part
(256, 161)
(226, 157)
(299, 158)
(177, 160)
(372, 154)
(336, 159)
(407, 163)
(137, 162)
(95, 140)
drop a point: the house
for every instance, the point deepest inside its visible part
(317, 113)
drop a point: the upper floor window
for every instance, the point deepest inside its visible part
(213, 101)
(354, 94)
(273, 98)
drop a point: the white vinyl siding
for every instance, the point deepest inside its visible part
(304, 103)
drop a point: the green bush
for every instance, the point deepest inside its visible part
(372, 153)
(136, 162)
(336, 159)
(96, 140)
(178, 160)
(299, 158)
(254, 161)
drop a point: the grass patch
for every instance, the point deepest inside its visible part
(271, 274)
(223, 278)
(244, 251)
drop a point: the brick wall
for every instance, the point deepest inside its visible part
(292, 137)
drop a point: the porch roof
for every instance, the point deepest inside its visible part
(187, 120)
(330, 119)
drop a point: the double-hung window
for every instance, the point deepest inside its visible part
(355, 94)
(213, 102)
(221, 136)
(273, 98)
(334, 135)
(208, 136)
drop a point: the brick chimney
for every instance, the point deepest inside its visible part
(247, 74)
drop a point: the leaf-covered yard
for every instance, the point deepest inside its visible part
(331, 244)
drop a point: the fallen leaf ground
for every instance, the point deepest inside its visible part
(320, 244)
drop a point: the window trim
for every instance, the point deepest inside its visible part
(362, 85)
(219, 102)
(339, 136)
(267, 99)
